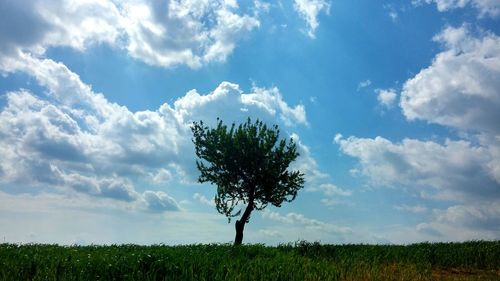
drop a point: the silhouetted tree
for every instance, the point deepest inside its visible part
(249, 165)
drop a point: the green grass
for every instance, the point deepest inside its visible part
(301, 261)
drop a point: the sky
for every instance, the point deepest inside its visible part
(394, 106)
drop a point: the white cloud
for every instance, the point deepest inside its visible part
(482, 216)
(392, 12)
(306, 163)
(35, 25)
(493, 145)
(309, 11)
(329, 202)
(386, 97)
(489, 8)
(460, 89)
(456, 170)
(161, 33)
(465, 222)
(162, 176)
(412, 209)
(393, 15)
(191, 32)
(266, 104)
(301, 220)
(364, 84)
(271, 233)
(261, 6)
(65, 220)
(329, 189)
(159, 201)
(75, 140)
(202, 199)
(108, 187)
(270, 100)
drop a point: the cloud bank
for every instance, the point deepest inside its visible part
(459, 90)
(76, 140)
(160, 33)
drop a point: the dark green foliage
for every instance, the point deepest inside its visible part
(300, 261)
(249, 165)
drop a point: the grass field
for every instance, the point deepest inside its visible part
(478, 260)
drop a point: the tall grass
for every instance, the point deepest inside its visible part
(300, 261)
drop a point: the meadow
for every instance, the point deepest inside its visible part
(476, 260)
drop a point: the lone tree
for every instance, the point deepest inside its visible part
(249, 165)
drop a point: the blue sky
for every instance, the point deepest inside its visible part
(394, 106)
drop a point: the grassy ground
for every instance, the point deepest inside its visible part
(302, 261)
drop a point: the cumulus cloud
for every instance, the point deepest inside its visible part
(35, 25)
(459, 90)
(462, 173)
(190, 32)
(270, 100)
(73, 138)
(161, 33)
(465, 222)
(329, 189)
(108, 187)
(309, 11)
(386, 97)
(162, 176)
(159, 201)
(266, 104)
(456, 170)
(461, 87)
(489, 8)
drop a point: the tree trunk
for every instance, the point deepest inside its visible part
(240, 224)
(239, 232)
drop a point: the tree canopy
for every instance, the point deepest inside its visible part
(249, 164)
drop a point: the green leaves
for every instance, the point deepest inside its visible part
(248, 163)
